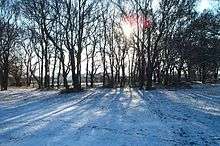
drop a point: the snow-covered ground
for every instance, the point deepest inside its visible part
(111, 117)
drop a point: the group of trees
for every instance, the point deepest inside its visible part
(9, 57)
(133, 42)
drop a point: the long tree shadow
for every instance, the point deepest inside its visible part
(96, 111)
(38, 105)
(116, 124)
(48, 114)
(94, 116)
(176, 108)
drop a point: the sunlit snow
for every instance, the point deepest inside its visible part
(111, 117)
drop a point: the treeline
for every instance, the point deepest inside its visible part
(48, 41)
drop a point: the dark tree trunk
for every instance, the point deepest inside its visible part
(73, 67)
(54, 68)
(87, 66)
(179, 71)
(93, 65)
(58, 75)
(77, 84)
(5, 72)
(149, 77)
(46, 67)
(204, 73)
(216, 73)
(65, 82)
(41, 71)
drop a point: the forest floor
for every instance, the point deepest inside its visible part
(111, 117)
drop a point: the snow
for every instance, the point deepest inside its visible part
(111, 117)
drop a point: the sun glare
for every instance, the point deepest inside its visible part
(127, 29)
(132, 23)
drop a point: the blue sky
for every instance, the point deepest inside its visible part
(206, 4)
(201, 5)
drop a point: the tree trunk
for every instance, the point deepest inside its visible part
(77, 86)
(203, 74)
(179, 71)
(41, 71)
(54, 68)
(87, 66)
(4, 83)
(149, 77)
(58, 75)
(216, 73)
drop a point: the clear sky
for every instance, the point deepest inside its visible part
(201, 5)
(206, 4)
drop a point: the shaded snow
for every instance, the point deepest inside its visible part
(111, 117)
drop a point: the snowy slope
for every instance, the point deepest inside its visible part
(111, 117)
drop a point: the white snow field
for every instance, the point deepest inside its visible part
(111, 117)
